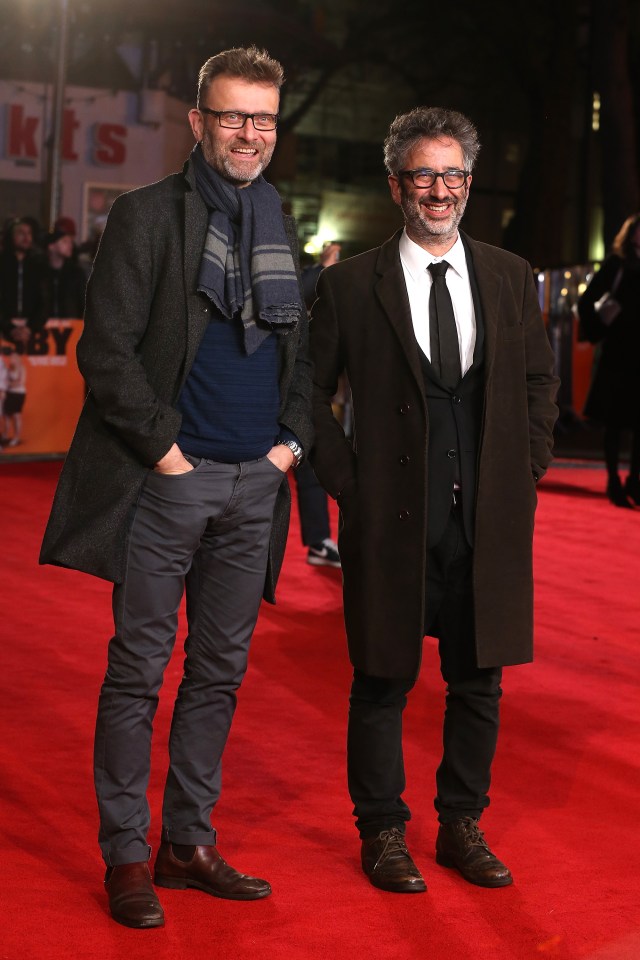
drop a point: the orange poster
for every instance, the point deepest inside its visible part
(582, 370)
(45, 383)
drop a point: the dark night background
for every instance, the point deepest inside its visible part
(548, 185)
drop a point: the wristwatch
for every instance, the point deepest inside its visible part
(296, 450)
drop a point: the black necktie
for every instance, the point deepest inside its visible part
(445, 349)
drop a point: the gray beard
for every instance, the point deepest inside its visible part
(226, 167)
(235, 173)
(423, 230)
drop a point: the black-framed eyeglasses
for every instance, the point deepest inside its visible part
(424, 178)
(235, 120)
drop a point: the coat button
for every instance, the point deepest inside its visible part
(404, 459)
(452, 454)
(456, 399)
(404, 408)
(404, 515)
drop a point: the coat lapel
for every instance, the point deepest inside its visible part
(391, 293)
(195, 229)
(489, 291)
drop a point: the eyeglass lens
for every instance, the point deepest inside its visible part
(235, 120)
(427, 178)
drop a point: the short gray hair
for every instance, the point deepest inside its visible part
(432, 123)
(244, 63)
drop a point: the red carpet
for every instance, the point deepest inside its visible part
(566, 780)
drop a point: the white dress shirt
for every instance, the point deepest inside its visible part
(415, 262)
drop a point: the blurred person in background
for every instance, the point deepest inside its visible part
(67, 225)
(14, 398)
(22, 299)
(614, 394)
(329, 255)
(313, 506)
(4, 382)
(64, 280)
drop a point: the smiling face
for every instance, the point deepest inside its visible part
(432, 214)
(239, 155)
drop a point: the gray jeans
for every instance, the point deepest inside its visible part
(207, 531)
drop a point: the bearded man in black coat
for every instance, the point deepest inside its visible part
(452, 383)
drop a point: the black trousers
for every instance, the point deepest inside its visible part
(374, 750)
(313, 506)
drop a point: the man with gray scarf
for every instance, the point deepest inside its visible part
(194, 351)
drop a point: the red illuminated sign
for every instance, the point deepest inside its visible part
(24, 138)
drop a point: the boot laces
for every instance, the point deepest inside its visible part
(472, 832)
(394, 845)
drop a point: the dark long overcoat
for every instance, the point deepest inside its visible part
(144, 321)
(362, 323)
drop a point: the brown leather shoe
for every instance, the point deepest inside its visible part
(461, 845)
(132, 899)
(206, 871)
(388, 863)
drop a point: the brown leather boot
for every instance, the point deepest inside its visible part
(207, 871)
(461, 845)
(132, 899)
(389, 865)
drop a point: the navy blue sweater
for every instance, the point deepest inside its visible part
(230, 400)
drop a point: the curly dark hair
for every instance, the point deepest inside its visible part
(434, 123)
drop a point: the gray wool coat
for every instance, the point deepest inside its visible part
(144, 321)
(361, 322)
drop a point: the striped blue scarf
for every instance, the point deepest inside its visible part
(247, 266)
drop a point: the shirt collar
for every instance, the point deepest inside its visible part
(416, 259)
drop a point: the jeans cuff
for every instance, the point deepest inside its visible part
(190, 838)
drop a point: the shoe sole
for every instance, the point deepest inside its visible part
(446, 862)
(319, 562)
(172, 883)
(418, 887)
(412, 888)
(149, 925)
